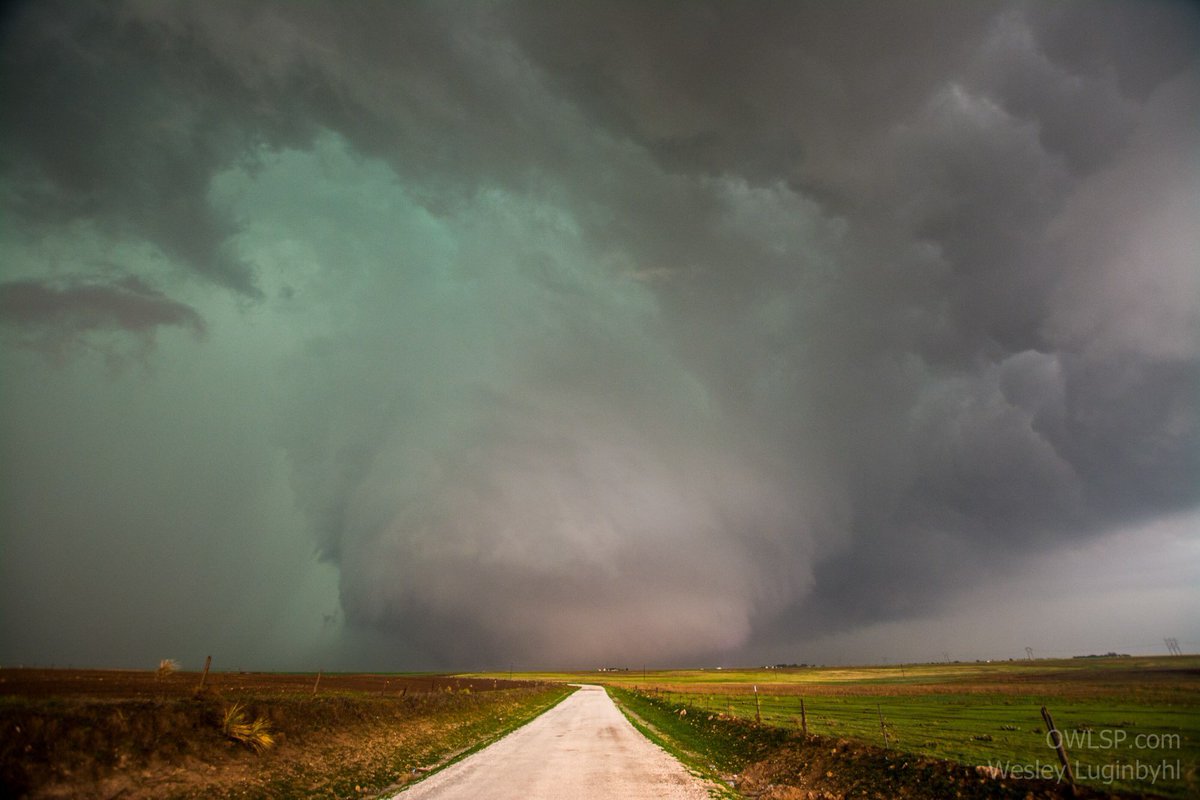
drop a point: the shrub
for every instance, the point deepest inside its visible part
(255, 734)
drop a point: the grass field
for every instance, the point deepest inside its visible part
(1131, 724)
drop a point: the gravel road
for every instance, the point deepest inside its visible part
(583, 749)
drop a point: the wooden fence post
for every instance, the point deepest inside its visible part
(757, 709)
(803, 719)
(204, 677)
(882, 727)
(1057, 739)
(316, 683)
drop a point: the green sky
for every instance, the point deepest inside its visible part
(405, 336)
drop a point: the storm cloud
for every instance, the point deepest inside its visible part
(454, 335)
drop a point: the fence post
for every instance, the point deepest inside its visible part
(882, 727)
(204, 677)
(316, 683)
(803, 719)
(757, 709)
(1056, 737)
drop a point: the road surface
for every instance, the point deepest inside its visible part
(582, 749)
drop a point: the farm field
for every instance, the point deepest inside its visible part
(137, 734)
(97, 733)
(1129, 724)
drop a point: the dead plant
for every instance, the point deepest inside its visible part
(255, 734)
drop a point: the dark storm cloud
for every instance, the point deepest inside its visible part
(710, 87)
(58, 315)
(651, 330)
(109, 119)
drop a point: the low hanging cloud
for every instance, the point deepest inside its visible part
(627, 333)
(58, 316)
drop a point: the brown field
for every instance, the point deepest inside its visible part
(147, 685)
(134, 734)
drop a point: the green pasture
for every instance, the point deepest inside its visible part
(1103, 737)
(1129, 723)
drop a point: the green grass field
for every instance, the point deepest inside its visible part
(1129, 723)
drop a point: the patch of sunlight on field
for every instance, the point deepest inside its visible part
(1044, 671)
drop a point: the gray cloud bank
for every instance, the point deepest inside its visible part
(571, 333)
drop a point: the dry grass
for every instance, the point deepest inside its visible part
(255, 734)
(166, 667)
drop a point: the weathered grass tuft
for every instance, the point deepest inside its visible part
(167, 666)
(255, 734)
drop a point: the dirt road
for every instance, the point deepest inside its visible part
(583, 748)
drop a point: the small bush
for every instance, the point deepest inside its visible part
(255, 734)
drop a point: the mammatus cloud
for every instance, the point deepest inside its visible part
(611, 332)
